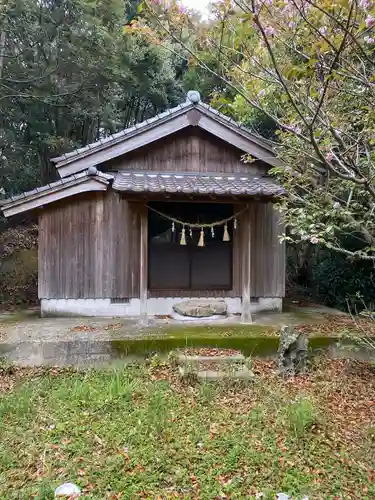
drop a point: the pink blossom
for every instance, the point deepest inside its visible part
(269, 31)
(261, 93)
(314, 240)
(369, 21)
(288, 10)
(295, 128)
(366, 4)
(369, 40)
(323, 30)
(181, 8)
(292, 24)
(329, 156)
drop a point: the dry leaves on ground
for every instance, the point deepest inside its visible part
(83, 328)
(335, 325)
(113, 326)
(210, 351)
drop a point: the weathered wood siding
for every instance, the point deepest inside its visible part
(267, 277)
(189, 151)
(89, 248)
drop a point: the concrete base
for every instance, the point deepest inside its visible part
(131, 309)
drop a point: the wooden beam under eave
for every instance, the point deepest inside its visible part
(246, 267)
(184, 198)
(143, 274)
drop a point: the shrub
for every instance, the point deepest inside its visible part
(18, 266)
(339, 282)
(301, 415)
(329, 277)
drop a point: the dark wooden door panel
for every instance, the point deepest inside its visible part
(211, 267)
(168, 267)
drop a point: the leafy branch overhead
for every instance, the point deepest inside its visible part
(306, 66)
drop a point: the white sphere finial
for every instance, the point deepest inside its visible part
(92, 170)
(193, 96)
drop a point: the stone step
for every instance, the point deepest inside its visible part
(212, 375)
(237, 358)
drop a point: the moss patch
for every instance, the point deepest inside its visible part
(249, 346)
(18, 316)
(217, 331)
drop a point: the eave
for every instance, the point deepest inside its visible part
(64, 188)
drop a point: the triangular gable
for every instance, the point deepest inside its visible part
(189, 114)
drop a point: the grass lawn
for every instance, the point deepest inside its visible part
(140, 432)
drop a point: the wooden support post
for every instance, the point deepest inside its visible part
(246, 267)
(143, 275)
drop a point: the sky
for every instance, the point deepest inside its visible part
(196, 4)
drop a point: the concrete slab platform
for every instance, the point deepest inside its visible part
(26, 325)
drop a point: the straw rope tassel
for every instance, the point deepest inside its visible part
(226, 234)
(201, 239)
(183, 238)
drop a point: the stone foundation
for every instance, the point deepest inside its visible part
(155, 306)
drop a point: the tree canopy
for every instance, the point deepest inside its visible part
(70, 75)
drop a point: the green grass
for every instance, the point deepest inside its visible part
(139, 431)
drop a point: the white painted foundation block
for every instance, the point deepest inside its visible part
(155, 306)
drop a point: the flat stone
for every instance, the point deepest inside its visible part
(211, 375)
(201, 308)
(217, 359)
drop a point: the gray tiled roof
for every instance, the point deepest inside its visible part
(193, 183)
(119, 135)
(61, 182)
(139, 127)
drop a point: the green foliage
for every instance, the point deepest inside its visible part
(302, 416)
(339, 282)
(329, 278)
(69, 75)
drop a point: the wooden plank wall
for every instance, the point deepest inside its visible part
(89, 248)
(192, 150)
(267, 253)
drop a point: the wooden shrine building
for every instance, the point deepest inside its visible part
(159, 212)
